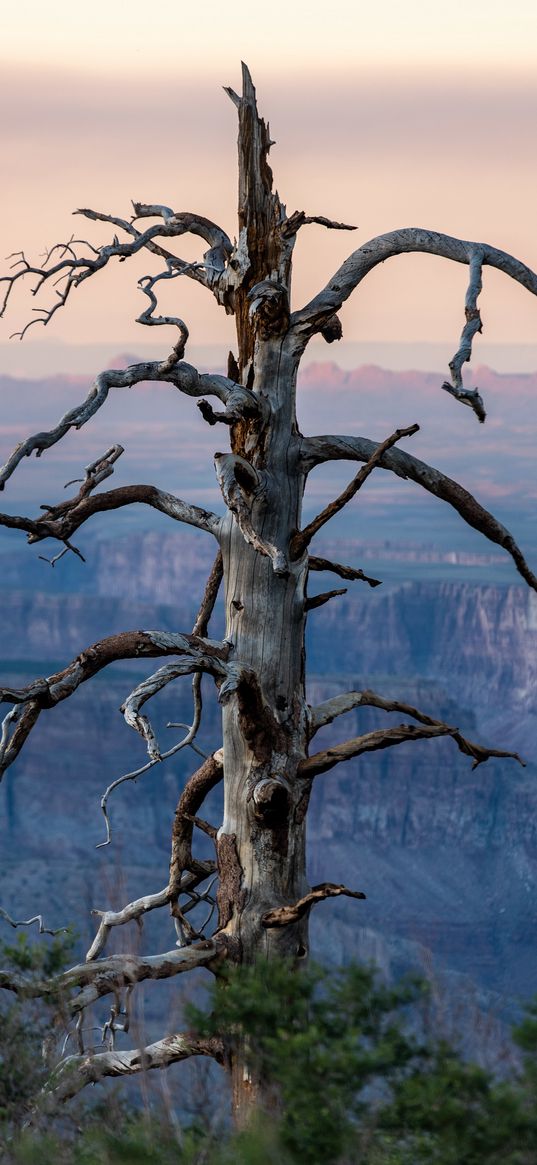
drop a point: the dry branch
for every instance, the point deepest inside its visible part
(317, 450)
(346, 572)
(304, 537)
(182, 376)
(109, 976)
(471, 397)
(382, 738)
(76, 1072)
(72, 269)
(311, 318)
(286, 915)
(147, 690)
(319, 600)
(204, 655)
(135, 911)
(30, 921)
(197, 788)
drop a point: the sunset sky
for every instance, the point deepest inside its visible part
(385, 115)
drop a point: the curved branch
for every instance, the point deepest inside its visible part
(317, 450)
(204, 655)
(182, 376)
(73, 269)
(402, 242)
(382, 738)
(30, 921)
(197, 788)
(287, 915)
(471, 397)
(134, 911)
(314, 316)
(23, 717)
(62, 521)
(76, 1072)
(156, 757)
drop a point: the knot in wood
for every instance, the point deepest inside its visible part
(269, 308)
(271, 800)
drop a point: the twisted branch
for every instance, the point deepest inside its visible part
(156, 757)
(181, 375)
(382, 738)
(313, 317)
(76, 1072)
(471, 397)
(240, 483)
(287, 915)
(72, 269)
(30, 921)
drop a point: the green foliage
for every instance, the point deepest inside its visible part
(345, 1078)
(25, 1024)
(318, 1041)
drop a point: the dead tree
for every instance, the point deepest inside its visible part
(266, 761)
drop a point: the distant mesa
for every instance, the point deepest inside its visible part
(123, 360)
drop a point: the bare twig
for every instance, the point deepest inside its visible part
(299, 219)
(471, 397)
(30, 921)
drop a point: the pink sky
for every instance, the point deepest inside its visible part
(100, 114)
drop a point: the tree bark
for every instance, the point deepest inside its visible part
(262, 841)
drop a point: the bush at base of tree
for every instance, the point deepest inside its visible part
(352, 1085)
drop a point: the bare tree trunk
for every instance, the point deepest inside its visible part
(261, 844)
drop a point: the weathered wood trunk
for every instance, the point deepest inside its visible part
(261, 844)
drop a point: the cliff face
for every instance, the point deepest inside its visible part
(446, 856)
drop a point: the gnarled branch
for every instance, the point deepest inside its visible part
(76, 1072)
(317, 450)
(72, 269)
(204, 654)
(111, 975)
(30, 921)
(471, 397)
(182, 376)
(135, 911)
(382, 738)
(311, 318)
(62, 521)
(286, 915)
